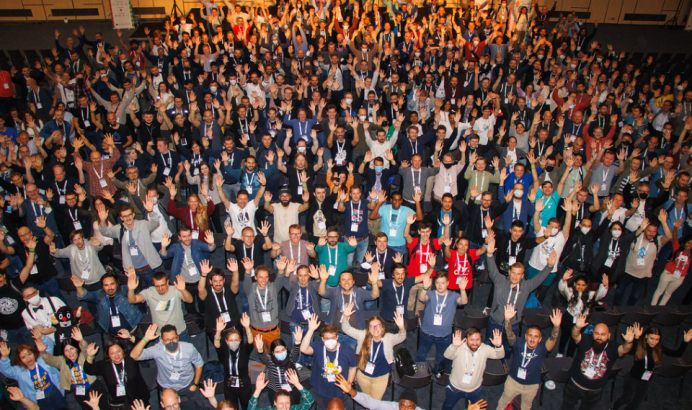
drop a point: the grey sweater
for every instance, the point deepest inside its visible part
(503, 287)
(142, 230)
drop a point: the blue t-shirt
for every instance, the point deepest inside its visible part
(41, 382)
(303, 301)
(381, 365)
(394, 218)
(79, 377)
(318, 379)
(10, 133)
(447, 308)
(356, 215)
(441, 227)
(550, 210)
(532, 362)
(389, 298)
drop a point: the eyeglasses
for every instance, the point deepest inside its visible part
(31, 295)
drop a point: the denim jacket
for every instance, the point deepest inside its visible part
(199, 250)
(132, 314)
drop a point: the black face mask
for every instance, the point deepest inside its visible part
(448, 166)
(643, 195)
(549, 168)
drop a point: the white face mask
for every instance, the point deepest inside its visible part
(475, 42)
(301, 149)
(417, 54)
(585, 230)
(616, 234)
(554, 232)
(213, 89)
(540, 56)
(362, 117)
(349, 101)
(233, 82)
(35, 300)
(518, 194)
(330, 344)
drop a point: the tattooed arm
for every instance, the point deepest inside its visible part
(509, 314)
(556, 319)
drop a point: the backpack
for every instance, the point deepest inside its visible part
(513, 405)
(532, 301)
(212, 370)
(405, 366)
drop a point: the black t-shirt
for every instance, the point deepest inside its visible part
(590, 368)
(42, 260)
(242, 252)
(11, 303)
(148, 132)
(119, 135)
(213, 311)
(389, 298)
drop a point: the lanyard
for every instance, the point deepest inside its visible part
(39, 212)
(466, 261)
(372, 346)
(350, 300)
(230, 364)
(38, 377)
(252, 252)
(482, 181)
(290, 247)
(86, 256)
(413, 176)
(600, 357)
(414, 149)
(300, 298)
(354, 217)
(119, 377)
(466, 365)
(677, 263)
(525, 362)
(192, 222)
(420, 254)
(301, 132)
(384, 259)
(170, 159)
(399, 302)
(516, 250)
(97, 174)
(329, 253)
(516, 295)
(249, 183)
(64, 188)
(336, 358)
(440, 306)
(74, 218)
(223, 297)
(263, 302)
(606, 171)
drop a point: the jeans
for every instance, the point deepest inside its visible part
(50, 288)
(441, 344)
(146, 278)
(302, 359)
(400, 249)
(359, 253)
(481, 260)
(325, 303)
(53, 400)
(189, 398)
(638, 287)
(452, 396)
(492, 325)
(231, 190)
(573, 393)
(245, 305)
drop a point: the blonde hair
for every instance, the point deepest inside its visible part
(364, 356)
(201, 217)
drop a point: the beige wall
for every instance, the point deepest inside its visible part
(604, 11)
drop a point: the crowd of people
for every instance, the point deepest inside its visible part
(360, 164)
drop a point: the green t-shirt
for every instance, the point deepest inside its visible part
(334, 257)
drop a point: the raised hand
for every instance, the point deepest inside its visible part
(581, 322)
(510, 312)
(556, 317)
(497, 338)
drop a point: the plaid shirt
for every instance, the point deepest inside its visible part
(95, 175)
(80, 90)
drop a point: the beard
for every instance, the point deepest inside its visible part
(285, 203)
(599, 346)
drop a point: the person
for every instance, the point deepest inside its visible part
(469, 357)
(580, 301)
(648, 353)
(407, 399)
(394, 219)
(11, 298)
(136, 244)
(300, 250)
(187, 254)
(38, 381)
(676, 269)
(331, 359)
(164, 301)
(302, 298)
(83, 257)
(356, 220)
(71, 367)
(195, 215)
(116, 315)
(527, 362)
(120, 374)
(219, 298)
(286, 212)
(595, 356)
(16, 395)
(282, 399)
(235, 356)
(375, 348)
(179, 363)
(279, 361)
(514, 289)
(263, 299)
(461, 260)
(436, 323)
(40, 312)
(333, 254)
(422, 253)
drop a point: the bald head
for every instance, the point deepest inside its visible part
(169, 397)
(601, 334)
(335, 404)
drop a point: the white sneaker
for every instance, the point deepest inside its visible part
(550, 385)
(298, 366)
(559, 355)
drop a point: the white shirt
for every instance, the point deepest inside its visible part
(242, 217)
(483, 127)
(540, 254)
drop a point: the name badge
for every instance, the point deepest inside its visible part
(115, 321)
(34, 270)
(286, 387)
(640, 261)
(85, 273)
(234, 381)
(62, 200)
(87, 124)
(120, 391)
(400, 309)
(609, 262)
(521, 373)
(677, 274)
(266, 317)
(381, 276)
(392, 232)
(40, 395)
(354, 227)
(448, 189)
(77, 225)
(134, 251)
(306, 314)
(647, 375)
(466, 379)
(192, 271)
(321, 225)
(103, 183)
(590, 372)
(484, 232)
(249, 190)
(167, 171)
(195, 234)
(332, 270)
(80, 390)
(603, 187)
(423, 267)
(175, 376)
(370, 368)
(331, 378)
(300, 190)
(226, 317)
(437, 321)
